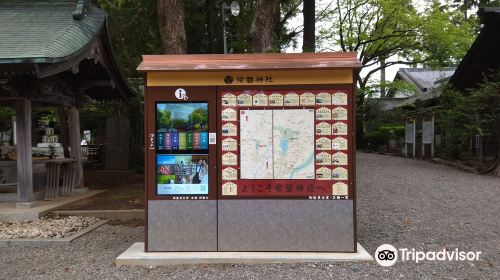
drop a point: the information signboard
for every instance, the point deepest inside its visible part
(250, 152)
(409, 132)
(427, 132)
(284, 143)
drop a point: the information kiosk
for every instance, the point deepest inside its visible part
(250, 152)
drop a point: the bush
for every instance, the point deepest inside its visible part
(397, 130)
(376, 138)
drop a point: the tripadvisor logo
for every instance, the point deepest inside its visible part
(388, 255)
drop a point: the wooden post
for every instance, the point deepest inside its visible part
(433, 139)
(75, 143)
(414, 135)
(23, 151)
(422, 154)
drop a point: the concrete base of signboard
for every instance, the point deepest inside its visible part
(135, 255)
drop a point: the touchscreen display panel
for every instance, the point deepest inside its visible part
(182, 174)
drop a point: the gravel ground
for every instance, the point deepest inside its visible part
(403, 202)
(46, 227)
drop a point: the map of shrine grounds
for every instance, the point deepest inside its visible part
(277, 144)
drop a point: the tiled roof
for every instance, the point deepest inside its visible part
(425, 78)
(46, 31)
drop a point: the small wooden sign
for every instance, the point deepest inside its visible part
(323, 144)
(276, 99)
(229, 188)
(260, 99)
(323, 98)
(339, 158)
(339, 173)
(229, 144)
(323, 159)
(323, 114)
(229, 129)
(339, 113)
(323, 128)
(229, 114)
(340, 188)
(229, 159)
(307, 99)
(339, 128)
(339, 143)
(291, 99)
(228, 100)
(245, 100)
(323, 173)
(229, 174)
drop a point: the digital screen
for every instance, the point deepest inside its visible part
(182, 126)
(182, 174)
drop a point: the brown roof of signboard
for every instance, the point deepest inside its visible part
(267, 61)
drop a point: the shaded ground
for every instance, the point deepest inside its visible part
(404, 202)
(125, 191)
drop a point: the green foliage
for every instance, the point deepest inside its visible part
(446, 35)
(381, 135)
(386, 29)
(396, 88)
(163, 118)
(134, 28)
(6, 114)
(205, 36)
(238, 28)
(397, 130)
(376, 29)
(376, 138)
(134, 31)
(93, 116)
(458, 118)
(393, 32)
(284, 36)
(198, 118)
(381, 125)
(463, 115)
(465, 6)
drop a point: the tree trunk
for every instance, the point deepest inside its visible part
(382, 79)
(309, 39)
(210, 6)
(171, 23)
(263, 23)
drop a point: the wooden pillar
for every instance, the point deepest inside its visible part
(75, 143)
(422, 153)
(433, 137)
(63, 121)
(23, 151)
(414, 135)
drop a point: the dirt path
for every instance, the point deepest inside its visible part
(125, 191)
